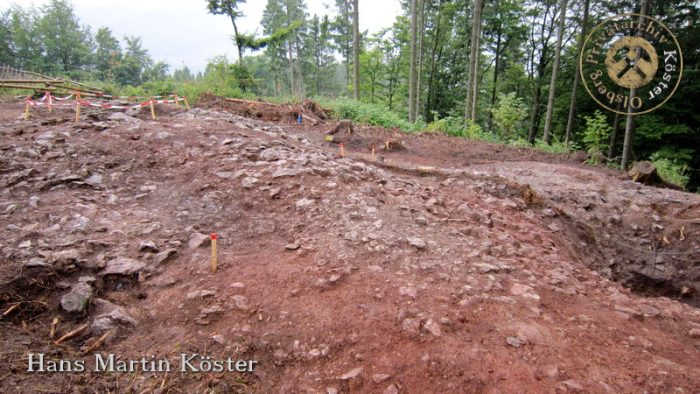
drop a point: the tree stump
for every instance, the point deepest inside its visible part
(645, 172)
(314, 108)
(344, 126)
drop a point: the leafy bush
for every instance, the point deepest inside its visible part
(509, 111)
(673, 165)
(370, 114)
(596, 135)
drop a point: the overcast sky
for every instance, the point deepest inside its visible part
(180, 32)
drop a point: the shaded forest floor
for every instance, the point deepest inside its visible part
(437, 265)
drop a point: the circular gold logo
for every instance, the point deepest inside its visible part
(631, 63)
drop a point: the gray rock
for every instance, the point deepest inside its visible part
(109, 316)
(99, 126)
(34, 201)
(525, 291)
(416, 242)
(241, 302)
(249, 182)
(77, 299)
(148, 246)
(573, 385)
(292, 246)
(65, 257)
(94, 180)
(391, 389)
(351, 236)
(421, 220)
(515, 342)
(485, 268)
(200, 294)
(694, 332)
(433, 327)
(164, 256)
(649, 311)
(304, 203)
(411, 327)
(199, 240)
(409, 291)
(36, 262)
(282, 172)
(119, 117)
(352, 374)
(123, 266)
(206, 311)
(380, 377)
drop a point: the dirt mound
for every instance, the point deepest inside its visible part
(311, 113)
(450, 265)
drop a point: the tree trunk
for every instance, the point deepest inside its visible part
(534, 116)
(473, 53)
(495, 78)
(299, 78)
(356, 49)
(615, 128)
(475, 93)
(629, 124)
(555, 69)
(431, 77)
(412, 64)
(421, 37)
(291, 69)
(577, 77)
(235, 34)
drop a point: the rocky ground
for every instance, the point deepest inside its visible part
(445, 266)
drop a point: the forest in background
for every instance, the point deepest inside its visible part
(468, 68)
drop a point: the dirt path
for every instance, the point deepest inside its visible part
(451, 266)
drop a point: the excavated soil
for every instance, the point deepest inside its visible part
(445, 266)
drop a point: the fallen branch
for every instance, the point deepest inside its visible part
(54, 323)
(97, 342)
(72, 334)
(10, 309)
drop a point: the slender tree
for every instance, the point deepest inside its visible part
(538, 58)
(629, 123)
(474, 53)
(230, 8)
(555, 69)
(343, 35)
(412, 63)
(577, 76)
(356, 49)
(420, 52)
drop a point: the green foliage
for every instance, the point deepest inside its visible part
(367, 113)
(673, 165)
(278, 37)
(596, 136)
(654, 128)
(509, 112)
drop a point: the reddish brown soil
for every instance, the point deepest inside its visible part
(449, 266)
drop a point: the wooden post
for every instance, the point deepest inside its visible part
(214, 258)
(48, 102)
(77, 107)
(153, 110)
(373, 157)
(177, 101)
(26, 110)
(342, 150)
(186, 103)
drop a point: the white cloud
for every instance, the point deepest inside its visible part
(182, 32)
